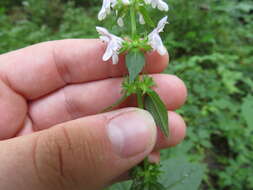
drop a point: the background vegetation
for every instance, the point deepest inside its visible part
(211, 48)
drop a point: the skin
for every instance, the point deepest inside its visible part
(51, 135)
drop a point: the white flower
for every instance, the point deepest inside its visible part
(147, 1)
(126, 2)
(141, 19)
(105, 10)
(120, 22)
(114, 43)
(106, 7)
(160, 4)
(155, 40)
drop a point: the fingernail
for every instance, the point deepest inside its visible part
(132, 132)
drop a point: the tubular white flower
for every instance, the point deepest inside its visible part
(126, 2)
(106, 7)
(114, 43)
(141, 19)
(160, 4)
(120, 22)
(105, 10)
(154, 38)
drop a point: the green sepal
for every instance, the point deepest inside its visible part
(158, 110)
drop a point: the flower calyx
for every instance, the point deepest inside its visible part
(141, 85)
(136, 45)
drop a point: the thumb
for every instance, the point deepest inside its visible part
(88, 153)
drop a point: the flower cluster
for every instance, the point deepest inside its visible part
(115, 43)
(109, 4)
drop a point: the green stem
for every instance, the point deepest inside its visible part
(140, 100)
(118, 102)
(133, 20)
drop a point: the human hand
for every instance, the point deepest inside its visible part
(50, 95)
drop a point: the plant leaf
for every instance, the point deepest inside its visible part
(247, 110)
(179, 174)
(135, 62)
(117, 103)
(157, 108)
(121, 186)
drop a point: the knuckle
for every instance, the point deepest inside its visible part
(51, 155)
(65, 159)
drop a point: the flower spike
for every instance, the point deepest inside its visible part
(133, 44)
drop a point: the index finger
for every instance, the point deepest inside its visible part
(40, 69)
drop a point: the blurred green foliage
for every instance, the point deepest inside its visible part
(211, 48)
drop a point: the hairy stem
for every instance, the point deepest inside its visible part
(140, 100)
(133, 20)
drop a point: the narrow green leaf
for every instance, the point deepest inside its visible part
(156, 107)
(135, 62)
(146, 17)
(117, 103)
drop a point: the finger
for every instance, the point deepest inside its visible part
(13, 109)
(70, 155)
(177, 129)
(90, 98)
(40, 69)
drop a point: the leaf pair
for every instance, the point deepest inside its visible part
(135, 62)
